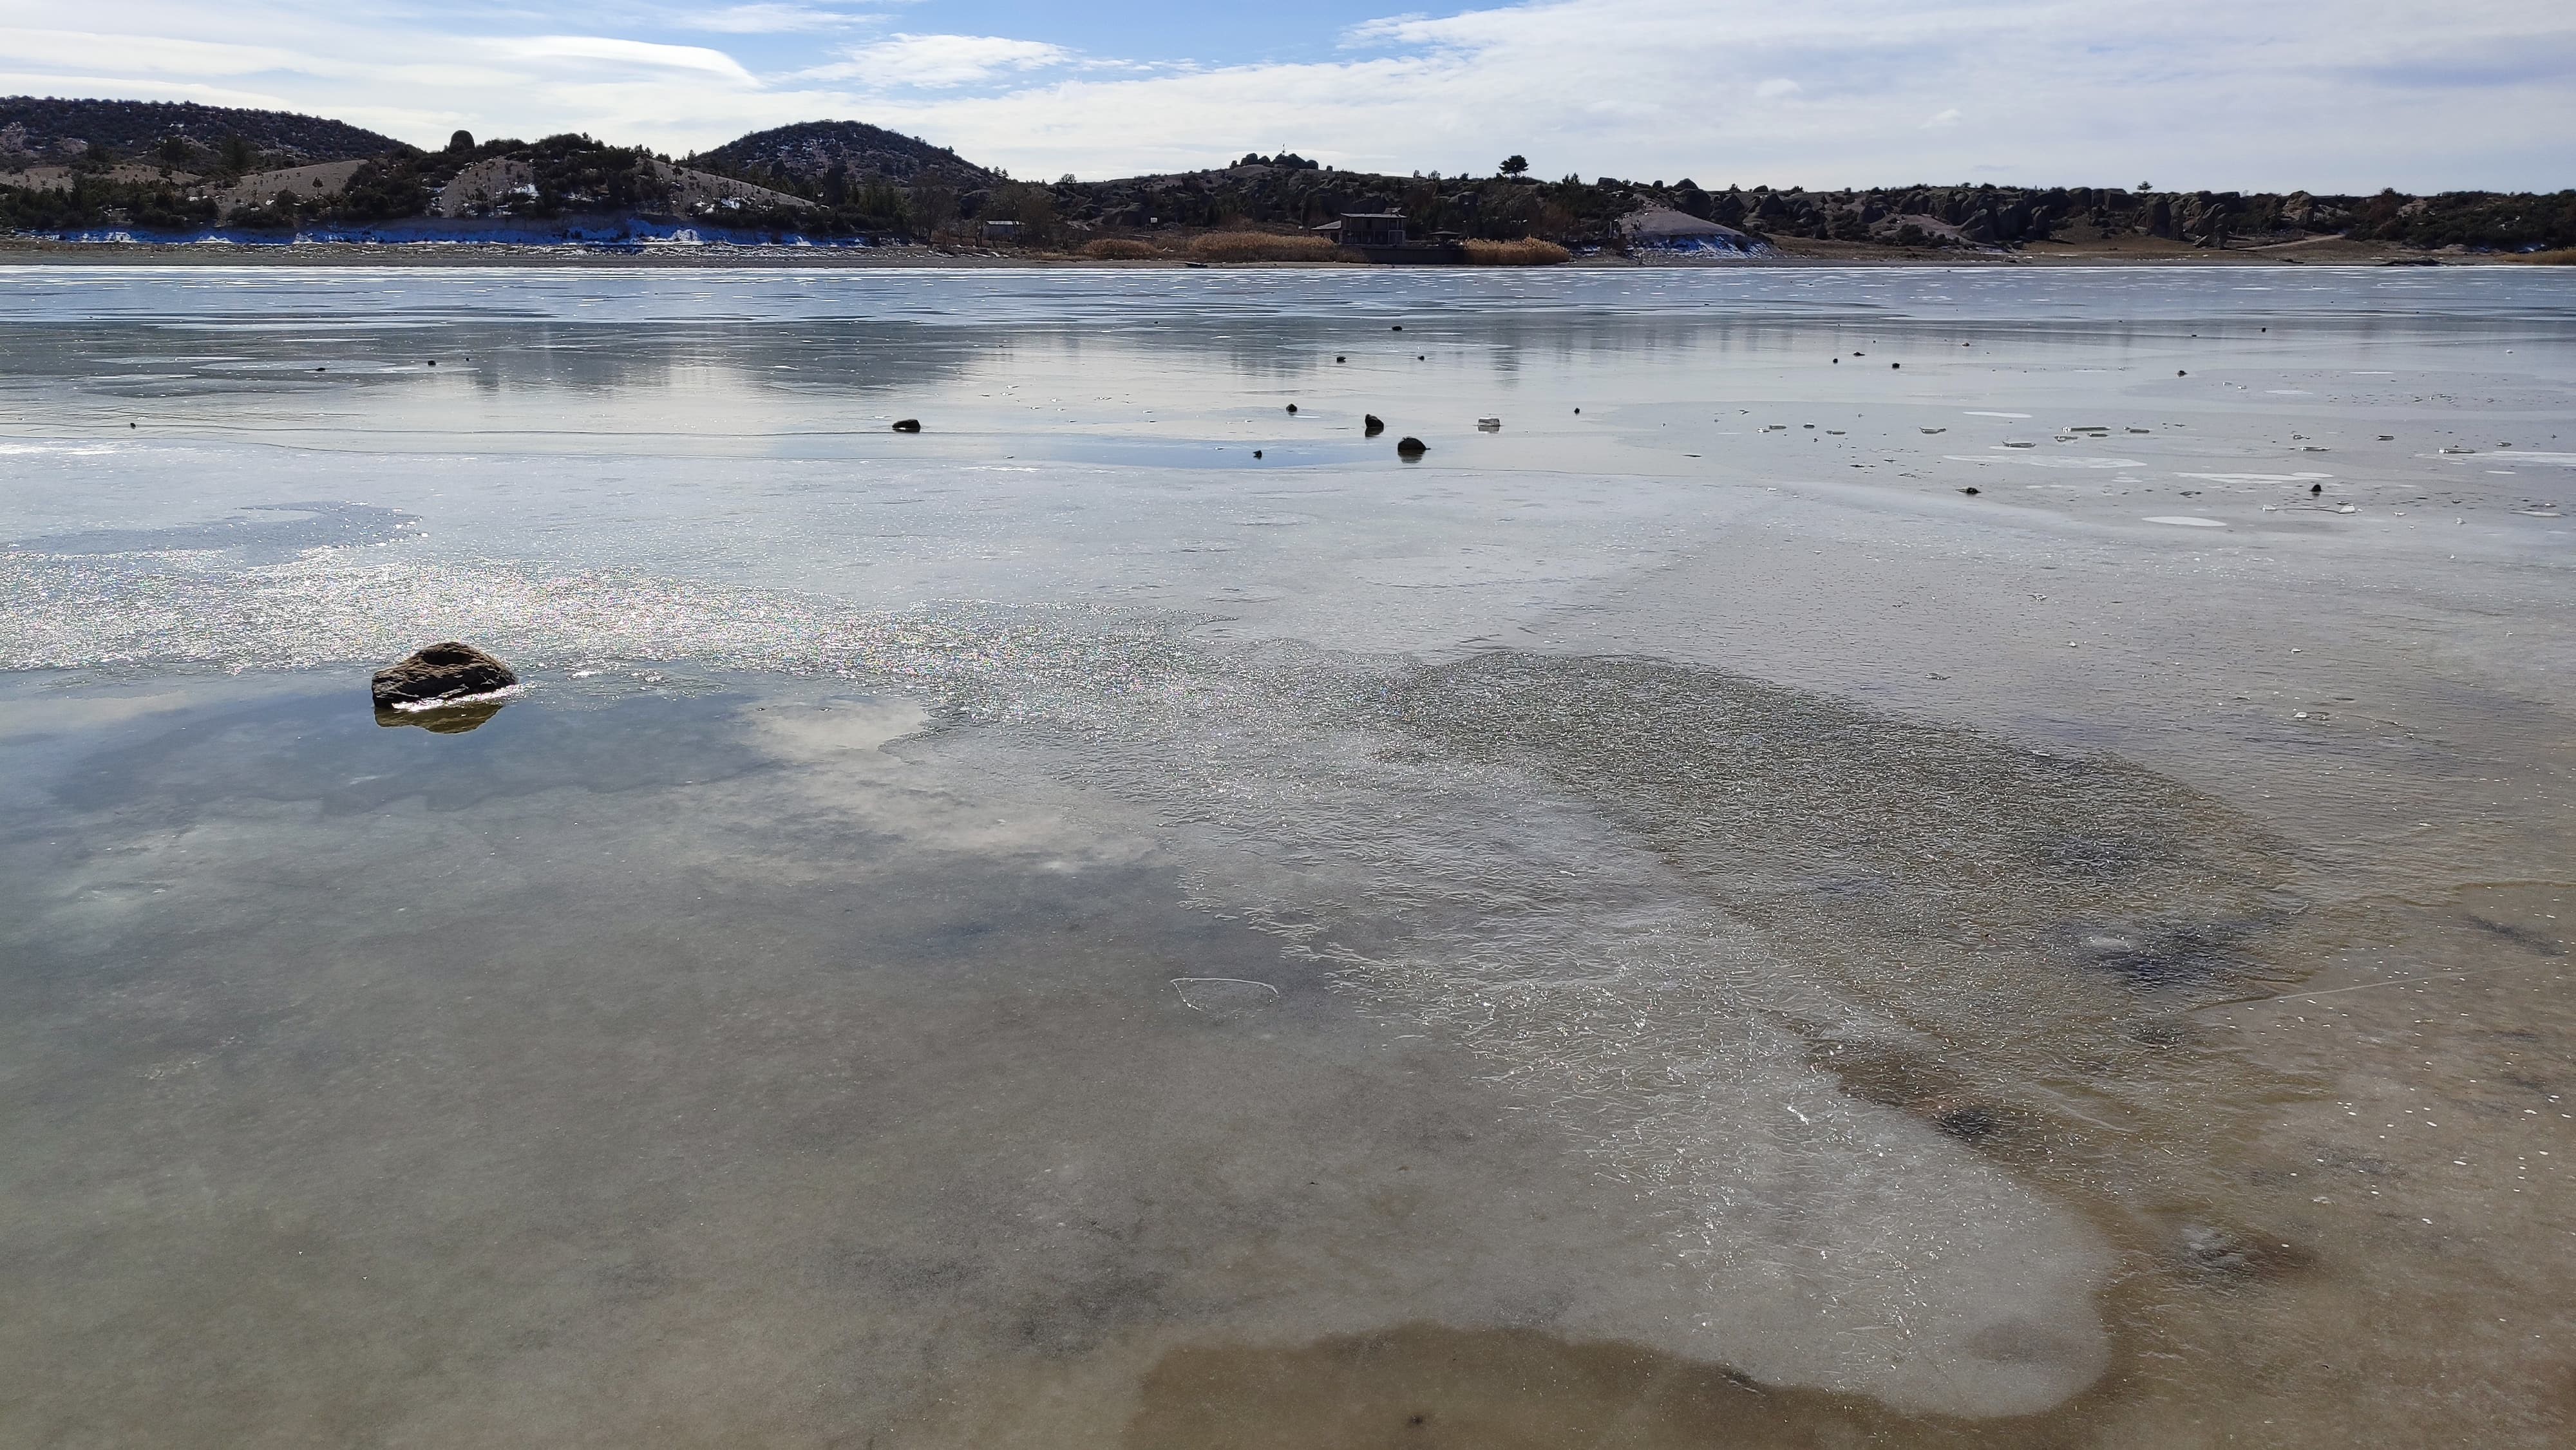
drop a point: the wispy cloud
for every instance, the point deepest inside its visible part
(157, 54)
(940, 62)
(774, 19)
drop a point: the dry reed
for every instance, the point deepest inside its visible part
(1260, 247)
(1527, 252)
(1120, 249)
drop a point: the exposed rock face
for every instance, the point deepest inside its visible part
(525, 185)
(445, 671)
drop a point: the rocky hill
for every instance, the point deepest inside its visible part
(1284, 191)
(34, 130)
(813, 152)
(530, 186)
(171, 167)
(1987, 216)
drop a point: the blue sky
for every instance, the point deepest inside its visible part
(2327, 94)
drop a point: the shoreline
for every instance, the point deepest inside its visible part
(1793, 253)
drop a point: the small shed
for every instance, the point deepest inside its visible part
(1368, 229)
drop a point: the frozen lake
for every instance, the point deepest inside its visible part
(1974, 858)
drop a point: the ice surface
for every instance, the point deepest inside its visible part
(1640, 880)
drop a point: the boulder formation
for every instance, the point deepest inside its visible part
(449, 670)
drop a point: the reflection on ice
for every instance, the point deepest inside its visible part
(443, 717)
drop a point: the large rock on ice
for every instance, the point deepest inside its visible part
(445, 671)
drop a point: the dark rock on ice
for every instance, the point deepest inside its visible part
(1372, 425)
(1969, 491)
(907, 425)
(445, 671)
(1411, 448)
(1292, 407)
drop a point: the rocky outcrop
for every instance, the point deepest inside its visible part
(450, 670)
(521, 185)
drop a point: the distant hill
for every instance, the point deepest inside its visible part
(174, 168)
(52, 130)
(809, 151)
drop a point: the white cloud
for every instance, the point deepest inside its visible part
(616, 53)
(939, 62)
(2070, 91)
(2328, 94)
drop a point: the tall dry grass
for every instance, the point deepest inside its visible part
(2563, 257)
(1120, 249)
(1260, 247)
(1527, 252)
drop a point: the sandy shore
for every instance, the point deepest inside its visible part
(1792, 252)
